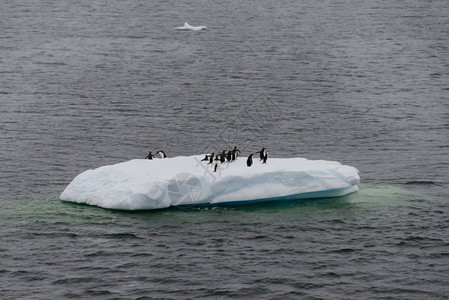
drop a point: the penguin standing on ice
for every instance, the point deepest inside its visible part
(249, 161)
(161, 153)
(262, 153)
(205, 158)
(211, 158)
(265, 157)
(229, 155)
(216, 167)
(236, 151)
(149, 156)
(223, 157)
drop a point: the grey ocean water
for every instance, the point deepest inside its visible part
(89, 83)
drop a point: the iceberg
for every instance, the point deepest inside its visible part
(189, 27)
(141, 184)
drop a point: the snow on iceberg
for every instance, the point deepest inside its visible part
(189, 27)
(186, 180)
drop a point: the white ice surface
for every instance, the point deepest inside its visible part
(159, 183)
(189, 27)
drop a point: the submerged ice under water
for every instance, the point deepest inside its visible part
(85, 84)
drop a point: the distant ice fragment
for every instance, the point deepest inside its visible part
(189, 27)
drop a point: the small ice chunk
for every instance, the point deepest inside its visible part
(189, 27)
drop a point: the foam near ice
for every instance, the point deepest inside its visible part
(186, 180)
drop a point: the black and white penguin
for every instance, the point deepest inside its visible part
(211, 158)
(249, 161)
(236, 151)
(149, 156)
(229, 155)
(233, 156)
(205, 158)
(262, 153)
(216, 167)
(161, 153)
(223, 157)
(265, 157)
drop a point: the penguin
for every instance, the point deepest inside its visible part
(236, 151)
(233, 156)
(223, 157)
(216, 167)
(262, 153)
(205, 158)
(162, 154)
(211, 158)
(229, 155)
(265, 157)
(149, 156)
(217, 157)
(249, 161)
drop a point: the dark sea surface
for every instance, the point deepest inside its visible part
(89, 83)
